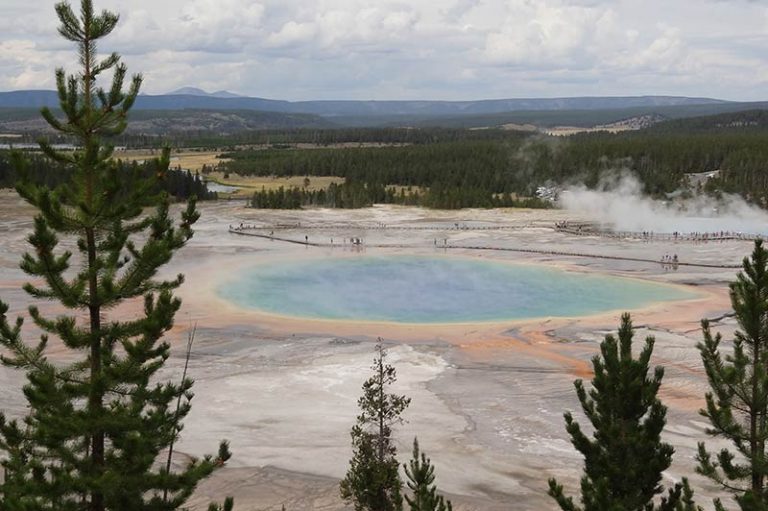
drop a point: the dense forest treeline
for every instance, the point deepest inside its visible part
(481, 171)
(453, 168)
(469, 173)
(180, 184)
(206, 139)
(661, 161)
(733, 122)
(356, 194)
(322, 137)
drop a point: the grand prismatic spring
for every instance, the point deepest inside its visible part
(424, 289)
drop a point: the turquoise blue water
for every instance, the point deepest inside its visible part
(415, 289)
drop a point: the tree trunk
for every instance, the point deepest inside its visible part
(96, 397)
(381, 408)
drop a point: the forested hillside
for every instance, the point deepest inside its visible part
(159, 124)
(732, 122)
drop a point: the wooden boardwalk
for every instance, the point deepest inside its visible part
(662, 236)
(559, 253)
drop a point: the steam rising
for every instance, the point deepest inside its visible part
(621, 205)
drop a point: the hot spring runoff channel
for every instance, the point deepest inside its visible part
(414, 289)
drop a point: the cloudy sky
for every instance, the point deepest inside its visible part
(414, 49)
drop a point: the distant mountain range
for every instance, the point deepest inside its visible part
(190, 109)
(163, 122)
(191, 98)
(193, 91)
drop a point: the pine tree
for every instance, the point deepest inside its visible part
(373, 481)
(421, 478)
(624, 460)
(96, 426)
(737, 406)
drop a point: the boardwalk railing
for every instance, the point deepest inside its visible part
(661, 236)
(243, 232)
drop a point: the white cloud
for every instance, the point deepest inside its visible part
(390, 49)
(292, 34)
(665, 52)
(26, 67)
(543, 35)
(346, 31)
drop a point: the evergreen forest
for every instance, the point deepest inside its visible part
(178, 183)
(452, 168)
(508, 171)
